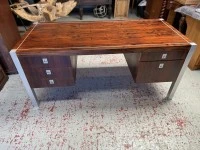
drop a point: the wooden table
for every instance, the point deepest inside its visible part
(47, 54)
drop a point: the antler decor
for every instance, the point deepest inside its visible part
(45, 10)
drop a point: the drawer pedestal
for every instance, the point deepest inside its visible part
(155, 67)
(49, 71)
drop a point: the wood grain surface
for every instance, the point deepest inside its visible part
(101, 37)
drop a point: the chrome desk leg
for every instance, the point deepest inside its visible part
(175, 84)
(30, 91)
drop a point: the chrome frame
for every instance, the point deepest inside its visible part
(175, 84)
(30, 91)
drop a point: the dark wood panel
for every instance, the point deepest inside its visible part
(60, 68)
(132, 60)
(5, 58)
(52, 61)
(42, 83)
(156, 9)
(148, 72)
(9, 35)
(3, 78)
(99, 37)
(60, 73)
(164, 55)
(2, 75)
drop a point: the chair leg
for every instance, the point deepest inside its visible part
(81, 13)
(132, 6)
(109, 11)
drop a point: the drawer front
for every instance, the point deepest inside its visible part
(159, 71)
(154, 56)
(45, 61)
(61, 73)
(41, 77)
(51, 82)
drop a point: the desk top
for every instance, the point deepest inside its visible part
(100, 37)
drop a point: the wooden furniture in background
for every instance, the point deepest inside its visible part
(188, 2)
(85, 3)
(9, 35)
(3, 78)
(172, 5)
(156, 9)
(193, 33)
(121, 8)
(132, 5)
(157, 54)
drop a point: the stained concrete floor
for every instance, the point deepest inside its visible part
(105, 110)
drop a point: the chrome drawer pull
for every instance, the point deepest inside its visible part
(48, 72)
(51, 81)
(45, 60)
(164, 56)
(161, 66)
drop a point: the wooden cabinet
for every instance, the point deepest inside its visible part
(49, 70)
(121, 8)
(3, 78)
(9, 35)
(193, 33)
(156, 67)
(156, 9)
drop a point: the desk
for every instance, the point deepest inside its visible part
(46, 56)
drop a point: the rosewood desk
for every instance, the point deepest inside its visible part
(46, 56)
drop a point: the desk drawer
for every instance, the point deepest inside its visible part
(40, 69)
(60, 73)
(51, 82)
(154, 56)
(45, 61)
(159, 71)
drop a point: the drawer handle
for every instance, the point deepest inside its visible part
(48, 72)
(45, 60)
(161, 66)
(164, 56)
(51, 81)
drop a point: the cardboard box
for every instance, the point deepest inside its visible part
(189, 2)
